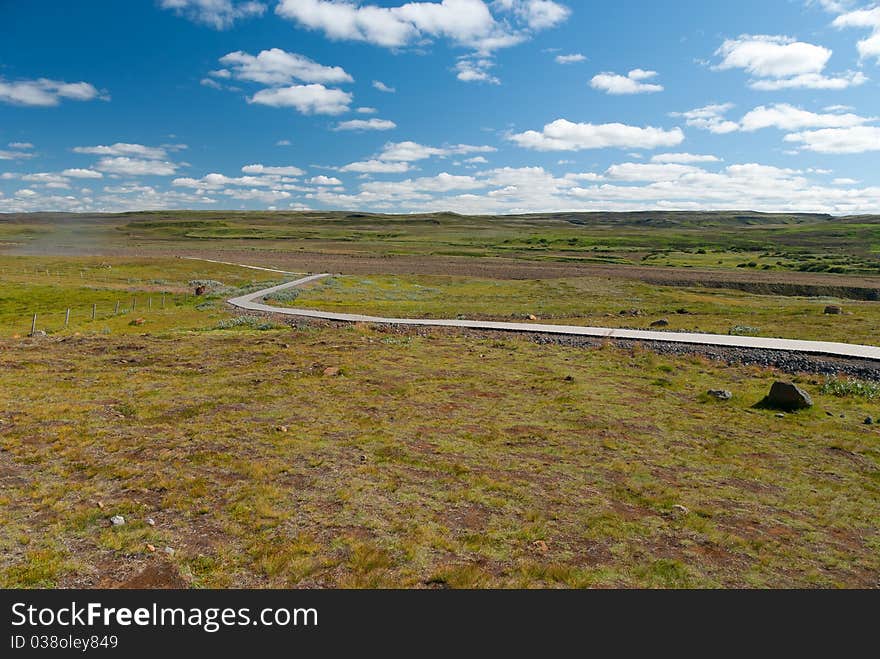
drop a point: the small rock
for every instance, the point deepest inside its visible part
(682, 312)
(679, 509)
(151, 521)
(660, 323)
(541, 546)
(569, 378)
(720, 394)
(169, 551)
(151, 548)
(780, 415)
(787, 396)
(285, 345)
(117, 520)
(36, 333)
(332, 371)
(281, 428)
(100, 505)
(869, 421)
(833, 310)
(532, 317)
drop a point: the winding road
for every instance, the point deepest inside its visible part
(253, 302)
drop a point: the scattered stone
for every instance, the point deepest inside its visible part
(541, 546)
(660, 323)
(101, 505)
(720, 394)
(117, 520)
(680, 510)
(829, 413)
(37, 333)
(169, 551)
(151, 548)
(363, 458)
(332, 371)
(285, 345)
(787, 396)
(532, 317)
(569, 378)
(281, 429)
(137, 321)
(200, 290)
(682, 312)
(869, 421)
(151, 521)
(833, 310)
(780, 415)
(631, 312)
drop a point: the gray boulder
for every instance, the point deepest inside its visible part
(719, 394)
(787, 396)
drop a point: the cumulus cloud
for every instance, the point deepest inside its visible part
(324, 180)
(307, 99)
(382, 87)
(219, 14)
(376, 167)
(476, 69)
(779, 115)
(124, 149)
(366, 124)
(15, 155)
(82, 173)
(855, 139)
(564, 135)
(278, 67)
(464, 23)
(412, 151)
(631, 83)
(126, 166)
(574, 58)
(780, 62)
(683, 158)
(44, 92)
(869, 18)
(26, 146)
(288, 170)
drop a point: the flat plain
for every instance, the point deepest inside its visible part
(315, 455)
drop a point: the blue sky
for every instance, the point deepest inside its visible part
(482, 106)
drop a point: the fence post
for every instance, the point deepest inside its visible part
(67, 318)
(150, 303)
(116, 312)
(163, 300)
(133, 303)
(34, 325)
(94, 310)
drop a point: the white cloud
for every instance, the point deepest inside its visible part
(564, 135)
(283, 143)
(788, 117)
(15, 155)
(324, 180)
(631, 83)
(382, 87)
(82, 173)
(376, 167)
(476, 69)
(20, 145)
(307, 99)
(366, 110)
(574, 58)
(47, 179)
(412, 151)
(288, 170)
(366, 124)
(46, 93)
(868, 47)
(279, 67)
(683, 158)
(855, 139)
(135, 166)
(710, 117)
(780, 62)
(780, 115)
(124, 149)
(537, 14)
(219, 14)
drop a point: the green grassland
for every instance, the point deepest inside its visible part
(433, 458)
(592, 301)
(800, 242)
